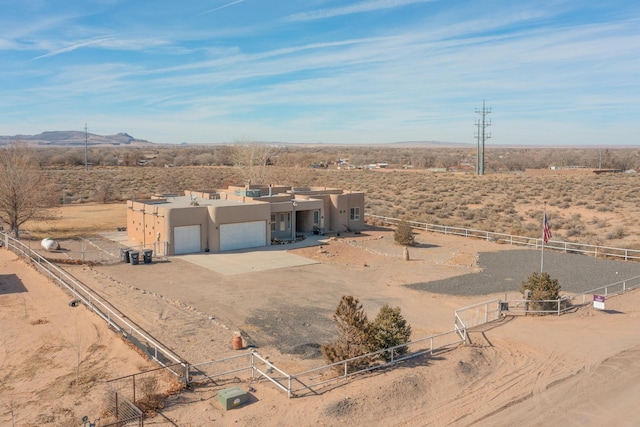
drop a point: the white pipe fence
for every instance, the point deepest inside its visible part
(488, 311)
(310, 380)
(477, 314)
(385, 358)
(157, 351)
(609, 290)
(567, 247)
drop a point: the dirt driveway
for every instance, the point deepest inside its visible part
(290, 309)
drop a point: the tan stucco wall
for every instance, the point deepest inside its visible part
(340, 210)
(146, 223)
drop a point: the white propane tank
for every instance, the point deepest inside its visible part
(49, 244)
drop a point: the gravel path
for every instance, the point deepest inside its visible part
(504, 271)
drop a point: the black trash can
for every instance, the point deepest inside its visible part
(124, 255)
(133, 257)
(146, 255)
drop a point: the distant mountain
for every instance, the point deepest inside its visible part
(76, 138)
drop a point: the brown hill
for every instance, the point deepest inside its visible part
(76, 138)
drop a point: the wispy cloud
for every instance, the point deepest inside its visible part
(220, 7)
(105, 42)
(364, 6)
(396, 78)
(72, 47)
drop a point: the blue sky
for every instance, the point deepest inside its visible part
(554, 72)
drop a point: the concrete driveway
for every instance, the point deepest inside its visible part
(255, 259)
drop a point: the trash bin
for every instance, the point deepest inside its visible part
(124, 255)
(146, 255)
(133, 257)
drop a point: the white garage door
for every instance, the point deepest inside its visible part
(243, 235)
(186, 240)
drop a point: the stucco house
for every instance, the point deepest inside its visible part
(240, 217)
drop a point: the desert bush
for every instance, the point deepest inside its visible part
(105, 191)
(403, 234)
(573, 232)
(150, 399)
(617, 233)
(389, 329)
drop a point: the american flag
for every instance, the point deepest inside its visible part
(546, 235)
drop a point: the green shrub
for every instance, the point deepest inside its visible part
(542, 287)
(353, 334)
(389, 329)
(357, 336)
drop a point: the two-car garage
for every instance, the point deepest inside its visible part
(252, 234)
(243, 235)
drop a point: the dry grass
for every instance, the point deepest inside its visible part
(585, 207)
(80, 220)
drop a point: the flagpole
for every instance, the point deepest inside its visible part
(542, 251)
(545, 228)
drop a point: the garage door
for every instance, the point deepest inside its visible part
(243, 235)
(186, 240)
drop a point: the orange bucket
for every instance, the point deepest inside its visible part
(237, 343)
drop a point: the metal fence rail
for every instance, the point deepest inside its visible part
(121, 411)
(99, 250)
(609, 290)
(294, 384)
(221, 370)
(567, 247)
(314, 378)
(109, 252)
(489, 311)
(524, 307)
(116, 320)
(309, 381)
(477, 314)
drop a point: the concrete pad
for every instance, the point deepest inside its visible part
(116, 236)
(230, 263)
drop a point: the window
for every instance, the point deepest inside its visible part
(316, 217)
(354, 214)
(273, 222)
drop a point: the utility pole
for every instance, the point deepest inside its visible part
(600, 160)
(482, 136)
(478, 151)
(86, 143)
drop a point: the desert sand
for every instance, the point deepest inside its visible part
(582, 368)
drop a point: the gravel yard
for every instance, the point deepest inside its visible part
(505, 270)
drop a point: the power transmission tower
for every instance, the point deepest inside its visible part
(482, 135)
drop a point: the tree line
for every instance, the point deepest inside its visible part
(498, 159)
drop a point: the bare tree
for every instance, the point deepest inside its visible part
(105, 191)
(253, 159)
(24, 193)
(10, 407)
